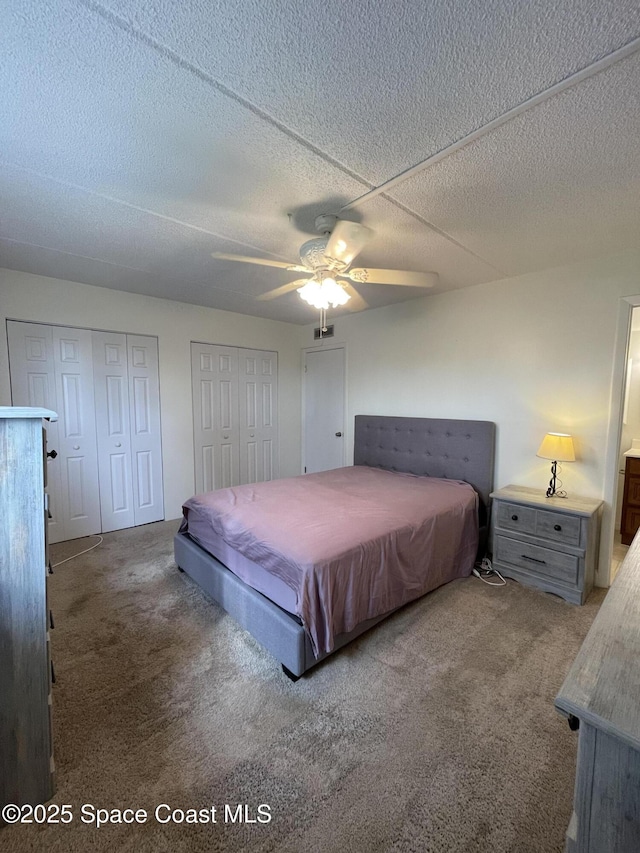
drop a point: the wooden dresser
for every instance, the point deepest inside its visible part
(601, 695)
(550, 543)
(26, 768)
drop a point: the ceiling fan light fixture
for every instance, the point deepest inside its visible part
(322, 294)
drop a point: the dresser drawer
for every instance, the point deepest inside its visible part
(516, 517)
(536, 560)
(558, 527)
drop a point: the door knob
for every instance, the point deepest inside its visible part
(52, 453)
(118, 444)
(251, 435)
(76, 447)
(338, 434)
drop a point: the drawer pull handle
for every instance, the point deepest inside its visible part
(534, 560)
(514, 518)
(557, 527)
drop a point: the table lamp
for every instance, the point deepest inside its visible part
(558, 447)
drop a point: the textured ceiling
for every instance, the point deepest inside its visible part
(139, 136)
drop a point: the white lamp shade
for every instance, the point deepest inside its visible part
(323, 293)
(558, 447)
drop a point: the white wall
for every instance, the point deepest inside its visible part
(47, 300)
(533, 354)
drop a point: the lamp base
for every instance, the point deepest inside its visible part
(553, 491)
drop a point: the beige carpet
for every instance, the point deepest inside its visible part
(434, 732)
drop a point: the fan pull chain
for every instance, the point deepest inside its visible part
(323, 321)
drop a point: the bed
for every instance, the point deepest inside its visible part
(411, 514)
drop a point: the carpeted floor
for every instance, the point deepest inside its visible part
(434, 732)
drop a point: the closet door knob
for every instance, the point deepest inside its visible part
(118, 444)
(557, 527)
(225, 436)
(76, 447)
(251, 435)
(514, 518)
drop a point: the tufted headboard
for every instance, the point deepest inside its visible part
(430, 447)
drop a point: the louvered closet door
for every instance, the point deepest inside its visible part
(258, 407)
(113, 431)
(214, 372)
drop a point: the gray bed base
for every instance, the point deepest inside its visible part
(453, 449)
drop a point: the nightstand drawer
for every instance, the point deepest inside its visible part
(536, 560)
(516, 517)
(558, 527)
(554, 526)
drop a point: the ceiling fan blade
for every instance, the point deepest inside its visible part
(280, 291)
(356, 302)
(265, 262)
(347, 240)
(403, 277)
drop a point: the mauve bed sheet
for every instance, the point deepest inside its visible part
(352, 543)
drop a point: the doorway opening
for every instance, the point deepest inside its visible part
(623, 421)
(627, 505)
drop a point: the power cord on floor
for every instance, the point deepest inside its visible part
(484, 570)
(86, 551)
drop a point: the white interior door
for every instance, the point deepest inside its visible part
(33, 384)
(216, 434)
(53, 365)
(105, 388)
(146, 439)
(77, 448)
(258, 407)
(111, 380)
(324, 386)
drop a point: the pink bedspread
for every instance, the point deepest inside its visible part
(353, 543)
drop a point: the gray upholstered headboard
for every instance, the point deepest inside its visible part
(430, 447)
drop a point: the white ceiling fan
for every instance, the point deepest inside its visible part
(328, 259)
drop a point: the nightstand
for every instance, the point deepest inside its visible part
(549, 543)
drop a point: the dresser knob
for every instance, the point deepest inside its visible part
(557, 527)
(514, 518)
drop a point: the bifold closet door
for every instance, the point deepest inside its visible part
(52, 366)
(258, 407)
(235, 409)
(146, 440)
(105, 388)
(128, 428)
(111, 376)
(216, 434)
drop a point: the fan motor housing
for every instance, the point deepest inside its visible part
(312, 255)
